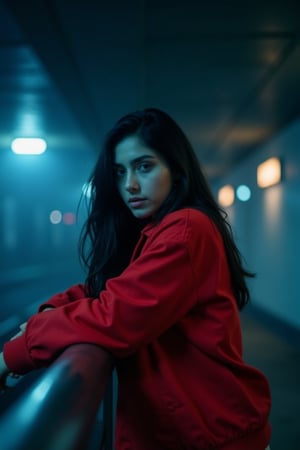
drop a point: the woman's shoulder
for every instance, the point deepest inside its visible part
(188, 216)
(184, 222)
(192, 228)
(187, 227)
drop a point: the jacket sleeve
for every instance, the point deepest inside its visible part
(73, 293)
(153, 293)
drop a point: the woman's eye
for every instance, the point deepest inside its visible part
(144, 167)
(119, 171)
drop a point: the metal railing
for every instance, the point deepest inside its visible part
(58, 412)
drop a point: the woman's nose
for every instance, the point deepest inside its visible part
(132, 184)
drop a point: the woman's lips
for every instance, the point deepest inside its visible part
(136, 202)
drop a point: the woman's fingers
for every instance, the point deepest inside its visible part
(22, 330)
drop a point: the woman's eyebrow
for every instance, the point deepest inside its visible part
(141, 158)
(137, 160)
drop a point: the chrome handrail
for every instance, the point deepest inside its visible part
(58, 412)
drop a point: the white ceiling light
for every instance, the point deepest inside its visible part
(28, 146)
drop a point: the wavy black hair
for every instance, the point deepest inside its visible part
(111, 231)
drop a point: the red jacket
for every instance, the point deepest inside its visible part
(172, 321)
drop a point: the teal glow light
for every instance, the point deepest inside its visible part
(28, 146)
(243, 193)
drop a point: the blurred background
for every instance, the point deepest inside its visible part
(229, 74)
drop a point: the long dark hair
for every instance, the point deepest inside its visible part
(111, 231)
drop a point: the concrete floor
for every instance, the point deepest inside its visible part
(270, 348)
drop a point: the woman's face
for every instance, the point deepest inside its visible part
(143, 178)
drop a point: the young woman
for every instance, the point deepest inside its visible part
(163, 291)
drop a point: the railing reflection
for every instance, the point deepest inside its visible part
(58, 412)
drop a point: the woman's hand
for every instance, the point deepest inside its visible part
(22, 330)
(22, 327)
(4, 370)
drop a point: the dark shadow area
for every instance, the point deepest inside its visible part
(269, 346)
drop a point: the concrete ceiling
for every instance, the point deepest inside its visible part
(227, 71)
